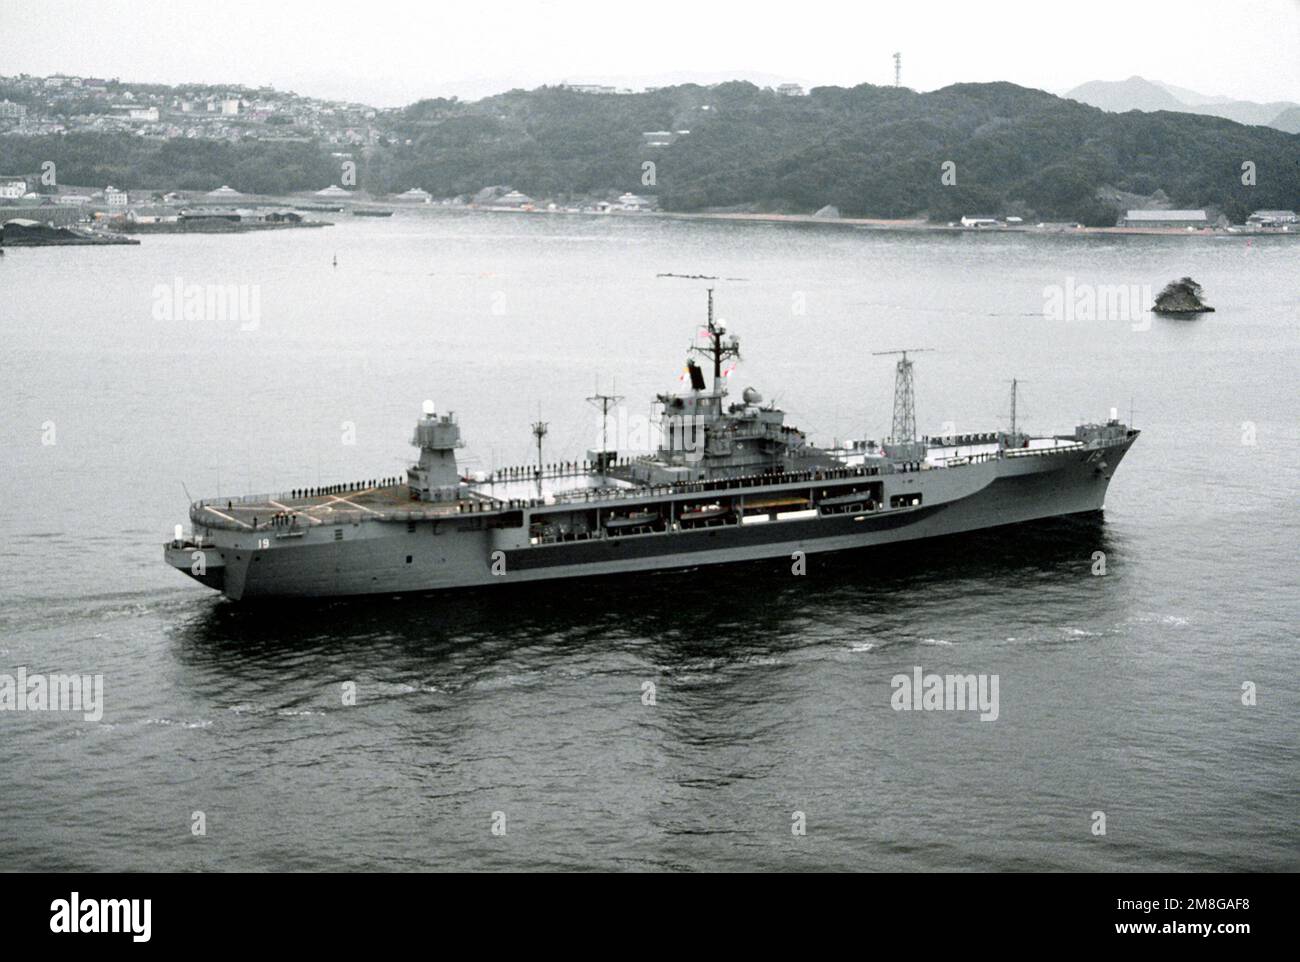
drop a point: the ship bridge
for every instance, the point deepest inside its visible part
(705, 437)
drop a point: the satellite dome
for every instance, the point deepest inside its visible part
(752, 396)
(429, 409)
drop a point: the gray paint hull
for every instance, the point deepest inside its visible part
(394, 557)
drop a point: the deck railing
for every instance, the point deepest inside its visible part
(482, 504)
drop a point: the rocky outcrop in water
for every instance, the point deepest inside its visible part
(1181, 297)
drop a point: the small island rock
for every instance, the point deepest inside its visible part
(1181, 297)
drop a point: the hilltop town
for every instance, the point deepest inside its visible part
(63, 104)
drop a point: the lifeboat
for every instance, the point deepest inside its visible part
(703, 514)
(636, 519)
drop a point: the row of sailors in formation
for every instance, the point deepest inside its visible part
(351, 486)
(281, 519)
(286, 519)
(562, 467)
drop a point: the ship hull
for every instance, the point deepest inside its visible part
(396, 557)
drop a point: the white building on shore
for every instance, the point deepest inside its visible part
(1284, 219)
(630, 201)
(1185, 219)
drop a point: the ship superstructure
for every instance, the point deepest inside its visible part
(729, 481)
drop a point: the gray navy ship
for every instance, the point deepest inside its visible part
(730, 482)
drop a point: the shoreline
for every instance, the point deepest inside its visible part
(351, 206)
(871, 223)
(94, 241)
(214, 226)
(888, 224)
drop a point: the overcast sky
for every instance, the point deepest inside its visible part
(388, 54)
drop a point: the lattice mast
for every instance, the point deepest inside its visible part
(904, 427)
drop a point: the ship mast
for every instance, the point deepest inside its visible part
(904, 427)
(1013, 435)
(604, 401)
(716, 349)
(1014, 385)
(539, 431)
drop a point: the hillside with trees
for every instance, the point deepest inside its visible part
(868, 151)
(135, 163)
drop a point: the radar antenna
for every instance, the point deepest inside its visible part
(716, 349)
(904, 397)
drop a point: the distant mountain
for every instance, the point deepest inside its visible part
(1246, 112)
(1191, 97)
(1118, 96)
(1288, 120)
(1135, 93)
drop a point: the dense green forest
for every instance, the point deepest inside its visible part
(869, 151)
(95, 159)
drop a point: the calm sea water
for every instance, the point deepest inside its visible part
(1118, 693)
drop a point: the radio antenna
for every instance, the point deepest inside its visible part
(604, 401)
